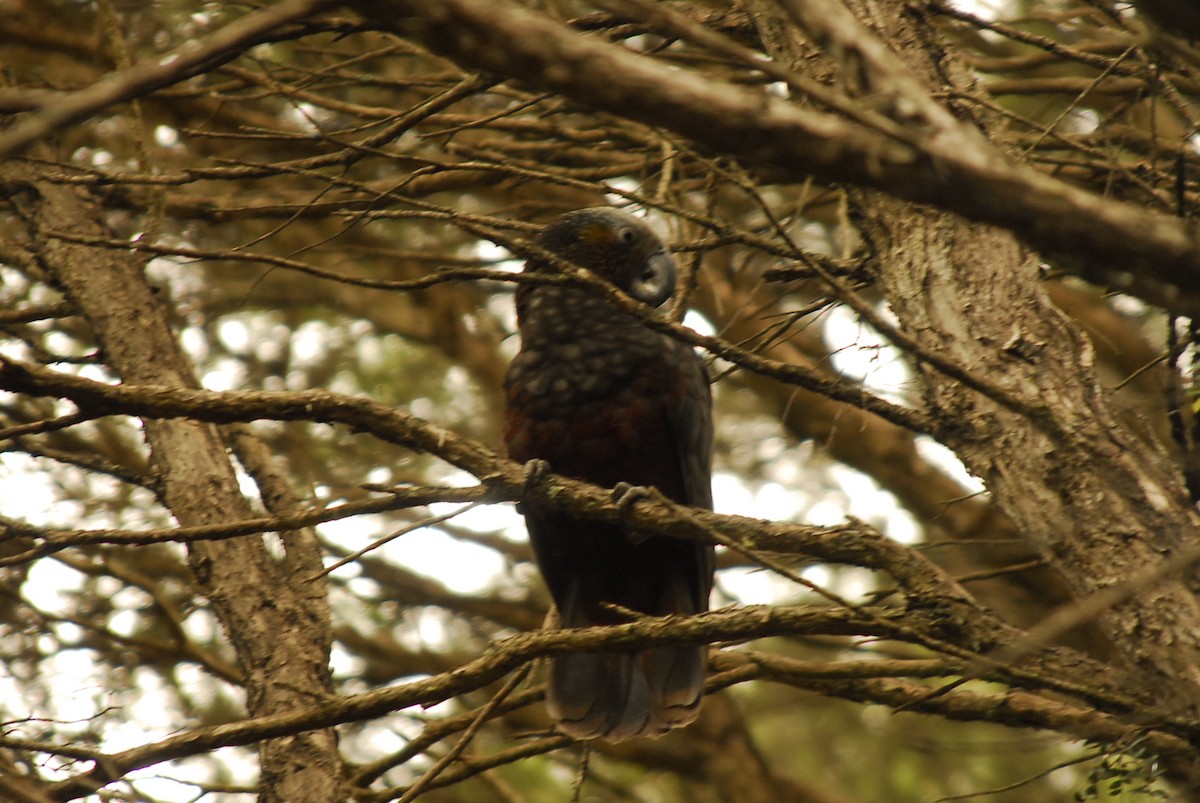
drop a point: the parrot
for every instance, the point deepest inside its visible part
(596, 395)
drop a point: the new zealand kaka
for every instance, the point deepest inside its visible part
(603, 398)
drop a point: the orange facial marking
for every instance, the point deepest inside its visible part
(595, 234)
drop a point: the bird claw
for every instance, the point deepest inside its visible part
(535, 471)
(625, 495)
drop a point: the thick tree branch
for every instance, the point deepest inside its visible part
(1108, 242)
(804, 376)
(279, 200)
(975, 630)
(726, 625)
(279, 629)
(854, 543)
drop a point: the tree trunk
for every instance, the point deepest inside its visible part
(278, 623)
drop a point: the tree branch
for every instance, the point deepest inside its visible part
(193, 58)
(739, 624)
(976, 631)
(1116, 244)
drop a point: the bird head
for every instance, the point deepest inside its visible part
(615, 246)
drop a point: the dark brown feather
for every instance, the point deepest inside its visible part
(601, 397)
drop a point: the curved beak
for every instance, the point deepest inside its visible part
(656, 283)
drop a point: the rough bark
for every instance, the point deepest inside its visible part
(927, 159)
(1011, 385)
(278, 624)
(1099, 502)
(889, 455)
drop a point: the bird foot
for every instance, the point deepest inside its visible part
(625, 496)
(534, 473)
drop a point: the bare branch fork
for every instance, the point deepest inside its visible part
(1110, 520)
(1112, 243)
(949, 165)
(840, 389)
(852, 543)
(504, 657)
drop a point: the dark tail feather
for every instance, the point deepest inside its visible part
(618, 696)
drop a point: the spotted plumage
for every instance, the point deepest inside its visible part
(601, 397)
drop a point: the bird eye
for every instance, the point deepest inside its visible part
(625, 235)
